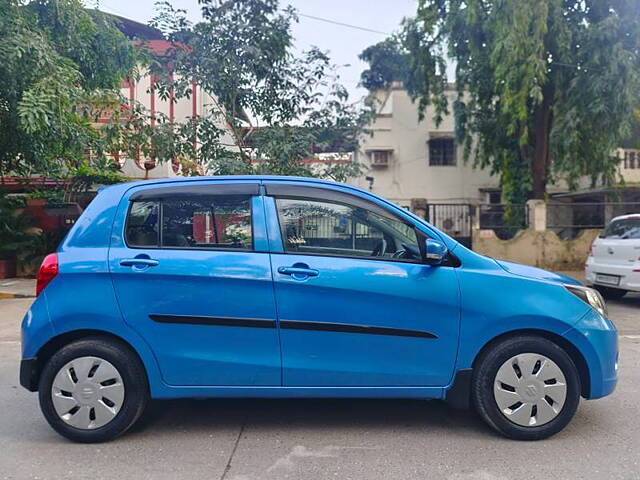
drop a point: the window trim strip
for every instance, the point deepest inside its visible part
(322, 193)
(206, 190)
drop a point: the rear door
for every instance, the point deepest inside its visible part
(192, 275)
(356, 305)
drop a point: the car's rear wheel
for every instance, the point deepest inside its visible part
(526, 388)
(611, 293)
(93, 390)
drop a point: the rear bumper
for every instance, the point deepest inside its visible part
(29, 374)
(629, 280)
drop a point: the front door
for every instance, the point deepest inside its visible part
(190, 279)
(356, 305)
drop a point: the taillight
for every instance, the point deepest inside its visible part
(591, 251)
(48, 270)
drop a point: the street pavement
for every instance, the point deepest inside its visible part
(323, 439)
(17, 288)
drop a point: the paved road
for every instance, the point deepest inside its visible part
(328, 439)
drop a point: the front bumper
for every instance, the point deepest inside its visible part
(629, 279)
(597, 340)
(29, 374)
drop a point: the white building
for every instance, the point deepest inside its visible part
(142, 91)
(409, 159)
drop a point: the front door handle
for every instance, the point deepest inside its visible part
(298, 271)
(139, 262)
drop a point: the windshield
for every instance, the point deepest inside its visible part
(625, 228)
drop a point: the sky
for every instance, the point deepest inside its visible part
(343, 43)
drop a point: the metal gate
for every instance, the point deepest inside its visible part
(455, 219)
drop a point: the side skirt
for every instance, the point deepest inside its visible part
(166, 391)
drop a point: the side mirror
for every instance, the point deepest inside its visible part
(435, 252)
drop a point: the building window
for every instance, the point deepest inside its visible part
(442, 152)
(494, 197)
(379, 158)
(631, 159)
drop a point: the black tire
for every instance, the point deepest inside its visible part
(484, 374)
(133, 376)
(611, 293)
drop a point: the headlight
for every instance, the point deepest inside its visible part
(589, 296)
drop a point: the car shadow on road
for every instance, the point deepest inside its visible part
(296, 414)
(629, 300)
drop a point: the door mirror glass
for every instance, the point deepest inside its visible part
(435, 252)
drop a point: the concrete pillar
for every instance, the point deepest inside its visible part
(609, 210)
(475, 219)
(537, 215)
(419, 207)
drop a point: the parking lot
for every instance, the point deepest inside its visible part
(322, 439)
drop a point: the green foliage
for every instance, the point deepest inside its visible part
(242, 53)
(54, 198)
(60, 66)
(39, 246)
(545, 89)
(82, 176)
(14, 237)
(387, 61)
(632, 140)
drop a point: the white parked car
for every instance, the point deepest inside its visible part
(613, 265)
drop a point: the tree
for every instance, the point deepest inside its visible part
(61, 66)
(14, 227)
(545, 89)
(387, 61)
(279, 108)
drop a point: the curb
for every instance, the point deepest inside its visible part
(5, 295)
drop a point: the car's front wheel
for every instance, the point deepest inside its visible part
(93, 390)
(526, 388)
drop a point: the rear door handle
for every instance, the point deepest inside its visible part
(139, 262)
(298, 271)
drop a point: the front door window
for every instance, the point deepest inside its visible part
(326, 228)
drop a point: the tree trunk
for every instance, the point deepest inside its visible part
(541, 160)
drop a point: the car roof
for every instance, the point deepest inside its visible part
(260, 178)
(624, 217)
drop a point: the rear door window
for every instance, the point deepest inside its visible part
(625, 228)
(198, 222)
(142, 224)
(214, 222)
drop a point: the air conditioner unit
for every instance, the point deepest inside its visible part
(380, 158)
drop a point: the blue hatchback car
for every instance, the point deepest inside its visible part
(293, 287)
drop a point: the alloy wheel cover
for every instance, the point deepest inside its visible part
(530, 389)
(87, 393)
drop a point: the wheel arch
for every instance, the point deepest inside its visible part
(576, 356)
(54, 344)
